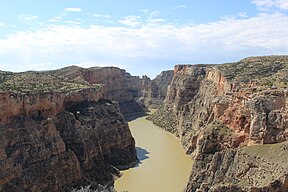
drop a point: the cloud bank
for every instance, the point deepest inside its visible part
(270, 4)
(144, 44)
(73, 9)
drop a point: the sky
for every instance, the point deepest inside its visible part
(143, 37)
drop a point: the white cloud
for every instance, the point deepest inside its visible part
(145, 11)
(72, 22)
(267, 5)
(243, 14)
(28, 18)
(2, 24)
(154, 14)
(180, 7)
(73, 9)
(131, 21)
(57, 18)
(100, 15)
(150, 42)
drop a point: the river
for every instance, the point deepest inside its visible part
(163, 167)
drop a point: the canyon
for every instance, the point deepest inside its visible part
(65, 128)
(61, 130)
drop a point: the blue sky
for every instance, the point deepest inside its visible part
(143, 37)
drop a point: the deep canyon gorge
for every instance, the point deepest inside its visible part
(66, 128)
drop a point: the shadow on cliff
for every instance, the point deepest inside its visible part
(142, 154)
(134, 116)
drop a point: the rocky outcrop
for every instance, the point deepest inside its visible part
(185, 96)
(96, 130)
(253, 168)
(118, 86)
(60, 128)
(153, 92)
(84, 143)
(61, 135)
(133, 94)
(13, 104)
(36, 157)
(247, 100)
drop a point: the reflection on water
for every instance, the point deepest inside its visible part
(163, 164)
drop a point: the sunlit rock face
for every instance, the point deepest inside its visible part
(215, 108)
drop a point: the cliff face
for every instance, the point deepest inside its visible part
(133, 94)
(214, 108)
(60, 127)
(41, 153)
(100, 132)
(14, 104)
(57, 131)
(119, 86)
(255, 168)
(153, 92)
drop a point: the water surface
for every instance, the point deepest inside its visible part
(163, 167)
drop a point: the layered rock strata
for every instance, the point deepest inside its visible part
(255, 168)
(57, 132)
(133, 94)
(214, 108)
(153, 92)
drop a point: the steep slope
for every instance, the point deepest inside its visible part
(215, 108)
(58, 132)
(253, 168)
(153, 92)
(133, 94)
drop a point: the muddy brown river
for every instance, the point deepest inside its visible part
(163, 167)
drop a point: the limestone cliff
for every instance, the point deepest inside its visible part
(215, 108)
(57, 131)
